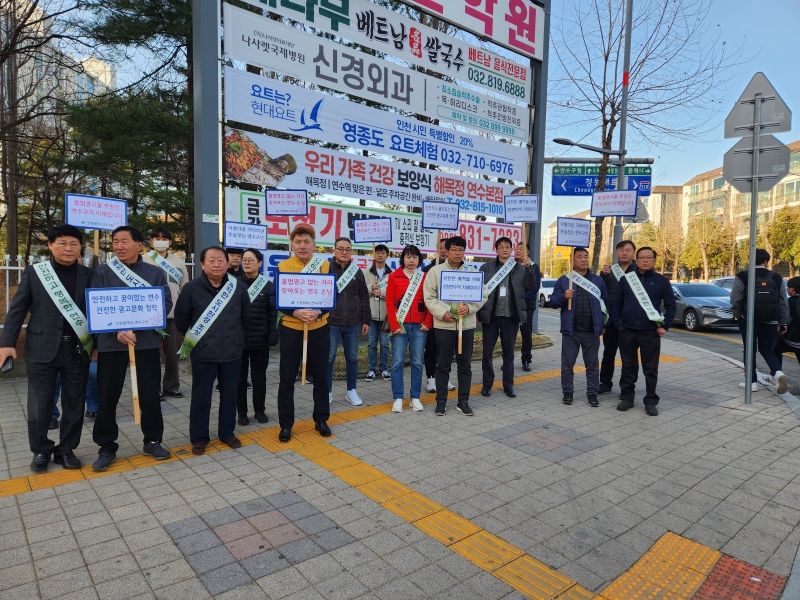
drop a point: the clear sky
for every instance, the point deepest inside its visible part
(769, 30)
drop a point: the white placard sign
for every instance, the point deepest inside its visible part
(382, 29)
(573, 232)
(272, 104)
(521, 208)
(295, 291)
(440, 215)
(125, 308)
(461, 286)
(95, 212)
(374, 230)
(614, 203)
(259, 41)
(245, 235)
(287, 203)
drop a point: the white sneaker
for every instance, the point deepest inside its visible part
(416, 405)
(386, 375)
(353, 398)
(779, 381)
(431, 384)
(330, 398)
(753, 387)
(450, 387)
(370, 376)
(398, 405)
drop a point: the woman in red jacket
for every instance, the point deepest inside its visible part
(410, 322)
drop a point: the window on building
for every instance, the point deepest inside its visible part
(695, 189)
(788, 191)
(717, 203)
(794, 163)
(718, 182)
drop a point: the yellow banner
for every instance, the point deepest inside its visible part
(562, 252)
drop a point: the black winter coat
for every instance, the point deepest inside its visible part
(520, 280)
(263, 328)
(352, 303)
(224, 340)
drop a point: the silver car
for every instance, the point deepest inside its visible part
(702, 305)
(545, 291)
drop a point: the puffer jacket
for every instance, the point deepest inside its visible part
(519, 280)
(262, 331)
(352, 303)
(395, 290)
(558, 300)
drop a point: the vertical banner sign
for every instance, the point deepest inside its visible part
(251, 39)
(440, 215)
(521, 208)
(573, 232)
(372, 230)
(286, 203)
(245, 235)
(376, 27)
(95, 212)
(614, 203)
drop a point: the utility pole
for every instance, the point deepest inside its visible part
(622, 183)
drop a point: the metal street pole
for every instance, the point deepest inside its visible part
(623, 121)
(751, 266)
(536, 173)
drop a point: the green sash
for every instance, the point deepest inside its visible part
(346, 277)
(65, 305)
(210, 314)
(166, 266)
(500, 275)
(256, 287)
(643, 298)
(592, 289)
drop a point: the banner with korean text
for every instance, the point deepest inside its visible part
(272, 104)
(120, 309)
(95, 212)
(244, 235)
(381, 29)
(325, 63)
(573, 232)
(331, 220)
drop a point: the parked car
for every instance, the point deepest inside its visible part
(702, 305)
(545, 291)
(726, 283)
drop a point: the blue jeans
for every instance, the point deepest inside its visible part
(414, 340)
(349, 337)
(376, 334)
(91, 392)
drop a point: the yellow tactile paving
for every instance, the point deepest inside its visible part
(12, 487)
(533, 578)
(446, 527)
(690, 554)
(487, 551)
(53, 478)
(335, 460)
(383, 489)
(671, 359)
(576, 592)
(358, 474)
(412, 507)
(141, 461)
(312, 450)
(118, 466)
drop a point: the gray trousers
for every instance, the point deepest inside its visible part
(589, 344)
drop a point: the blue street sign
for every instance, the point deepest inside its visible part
(582, 180)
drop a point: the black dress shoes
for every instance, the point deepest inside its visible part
(39, 463)
(67, 460)
(526, 365)
(323, 428)
(486, 391)
(510, 392)
(285, 435)
(53, 424)
(174, 394)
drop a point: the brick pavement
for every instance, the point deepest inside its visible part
(587, 492)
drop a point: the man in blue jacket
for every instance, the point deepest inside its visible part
(641, 326)
(582, 324)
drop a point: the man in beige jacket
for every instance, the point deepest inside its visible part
(445, 328)
(177, 277)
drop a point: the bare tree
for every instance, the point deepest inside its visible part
(677, 74)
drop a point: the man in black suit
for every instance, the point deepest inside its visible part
(57, 342)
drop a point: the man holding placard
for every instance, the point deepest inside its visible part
(57, 342)
(582, 324)
(291, 333)
(377, 278)
(521, 253)
(127, 269)
(177, 276)
(611, 275)
(452, 321)
(641, 326)
(213, 313)
(430, 341)
(503, 312)
(350, 317)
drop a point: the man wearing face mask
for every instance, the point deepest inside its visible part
(177, 276)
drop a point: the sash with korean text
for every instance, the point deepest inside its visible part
(65, 305)
(210, 314)
(346, 277)
(643, 298)
(592, 289)
(500, 275)
(130, 279)
(256, 287)
(313, 265)
(166, 266)
(617, 271)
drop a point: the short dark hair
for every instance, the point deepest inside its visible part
(409, 250)
(205, 250)
(342, 239)
(456, 240)
(64, 231)
(229, 251)
(762, 256)
(161, 232)
(527, 246)
(655, 255)
(382, 248)
(794, 283)
(136, 235)
(257, 253)
(502, 239)
(623, 242)
(576, 250)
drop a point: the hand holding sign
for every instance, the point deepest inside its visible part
(373, 230)
(576, 233)
(440, 215)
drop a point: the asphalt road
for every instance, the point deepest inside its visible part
(724, 340)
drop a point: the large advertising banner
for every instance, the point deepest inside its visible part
(331, 220)
(516, 24)
(269, 44)
(271, 104)
(274, 162)
(376, 27)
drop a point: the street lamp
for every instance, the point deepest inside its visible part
(607, 152)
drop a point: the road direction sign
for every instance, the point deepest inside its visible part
(775, 115)
(582, 180)
(773, 164)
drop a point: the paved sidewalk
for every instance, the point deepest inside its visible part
(578, 500)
